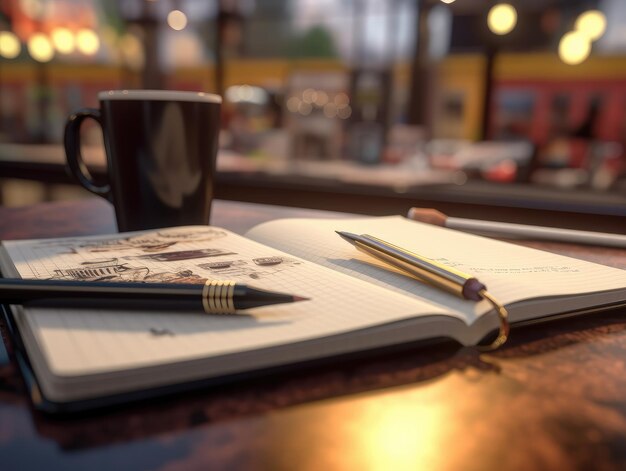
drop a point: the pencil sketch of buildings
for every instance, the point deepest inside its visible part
(114, 270)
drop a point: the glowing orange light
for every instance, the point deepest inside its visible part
(592, 24)
(10, 46)
(40, 48)
(502, 18)
(87, 41)
(574, 48)
(63, 40)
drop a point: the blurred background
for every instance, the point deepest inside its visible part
(357, 105)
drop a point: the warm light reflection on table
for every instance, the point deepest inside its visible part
(404, 428)
(392, 434)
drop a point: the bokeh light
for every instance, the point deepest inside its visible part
(574, 48)
(177, 20)
(87, 41)
(344, 112)
(246, 94)
(322, 98)
(502, 18)
(293, 103)
(309, 95)
(592, 24)
(10, 46)
(63, 40)
(40, 47)
(305, 108)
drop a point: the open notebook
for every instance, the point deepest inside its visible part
(357, 303)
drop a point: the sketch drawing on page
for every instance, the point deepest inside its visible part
(179, 255)
(256, 268)
(114, 270)
(152, 242)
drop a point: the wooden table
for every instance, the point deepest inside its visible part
(553, 398)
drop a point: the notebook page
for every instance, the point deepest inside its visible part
(511, 272)
(76, 342)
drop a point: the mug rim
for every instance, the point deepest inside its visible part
(159, 95)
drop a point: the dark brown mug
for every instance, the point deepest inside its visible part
(161, 148)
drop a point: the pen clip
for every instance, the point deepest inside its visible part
(503, 315)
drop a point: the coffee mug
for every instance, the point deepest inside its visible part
(161, 148)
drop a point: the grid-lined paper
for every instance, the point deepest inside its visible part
(78, 342)
(512, 273)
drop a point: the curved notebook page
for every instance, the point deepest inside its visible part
(512, 273)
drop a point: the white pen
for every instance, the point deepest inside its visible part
(505, 229)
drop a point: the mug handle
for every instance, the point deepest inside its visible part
(72, 151)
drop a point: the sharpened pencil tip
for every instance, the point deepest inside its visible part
(300, 298)
(347, 236)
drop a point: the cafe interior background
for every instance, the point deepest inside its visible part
(357, 105)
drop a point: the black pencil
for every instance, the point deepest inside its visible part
(212, 297)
